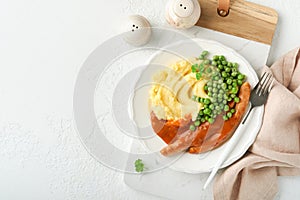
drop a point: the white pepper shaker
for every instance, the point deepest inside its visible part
(137, 30)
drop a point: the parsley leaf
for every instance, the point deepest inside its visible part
(198, 75)
(194, 68)
(139, 165)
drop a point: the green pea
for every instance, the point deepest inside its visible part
(206, 101)
(229, 99)
(220, 96)
(192, 127)
(216, 78)
(225, 96)
(224, 101)
(215, 95)
(209, 83)
(234, 74)
(234, 84)
(215, 90)
(206, 62)
(229, 114)
(232, 95)
(214, 63)
(197, 123)
(219, 62)
(209, 89)
(229, 87)
(208, 70)
(202, 120)
(200, 113)
(214, 116)
(206, 117)
(229, 64)
(220, 99)
(215, 112)
(239, 82)
(226, 108)
(236, 99)
(233, 69)
(234, 90)
(210, 120)
(229, 81)
(205, 106)
(227, 69)
(215, 58)
(225, 117)
(220, 67)
(211, 106)
(205, 87)
(220, 81)
(235, 65)
(221, 92)
(241, 77)
(232, 110)
(219, 112)
(224, 62)
(209, 94)
(199, 99)
(204, 53)
(224, 86)
(213, 100)
(222, 58)
(221, 106)
(217, 107)
(214, 84)
(207, 110)
(224, 74)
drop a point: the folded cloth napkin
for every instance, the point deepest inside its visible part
(276, 150)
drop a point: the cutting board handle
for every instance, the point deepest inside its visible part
(223, 7)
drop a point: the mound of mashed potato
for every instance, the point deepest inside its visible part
(171, 96)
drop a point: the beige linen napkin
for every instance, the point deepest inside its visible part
(276, 150)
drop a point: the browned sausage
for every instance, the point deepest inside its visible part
(206, 137)
(210, 139)
(229, 126)
(182, 143)
(169, 129)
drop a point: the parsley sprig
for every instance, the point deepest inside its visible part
(139, 165)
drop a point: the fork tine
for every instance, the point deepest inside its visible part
(265, 84)
(268, 85)
(259, 85)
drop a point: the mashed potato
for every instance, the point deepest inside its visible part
(171, 95)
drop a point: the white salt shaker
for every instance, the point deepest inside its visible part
(183, 13)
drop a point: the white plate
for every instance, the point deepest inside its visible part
(198, 163)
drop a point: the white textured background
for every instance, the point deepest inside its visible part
(42, 46)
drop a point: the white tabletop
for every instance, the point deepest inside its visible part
(42, 46)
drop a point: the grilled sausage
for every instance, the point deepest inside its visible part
(207, 137)
(229, 126)
(180, 144)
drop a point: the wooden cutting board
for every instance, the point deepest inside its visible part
(249, 29)
(245, 19)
